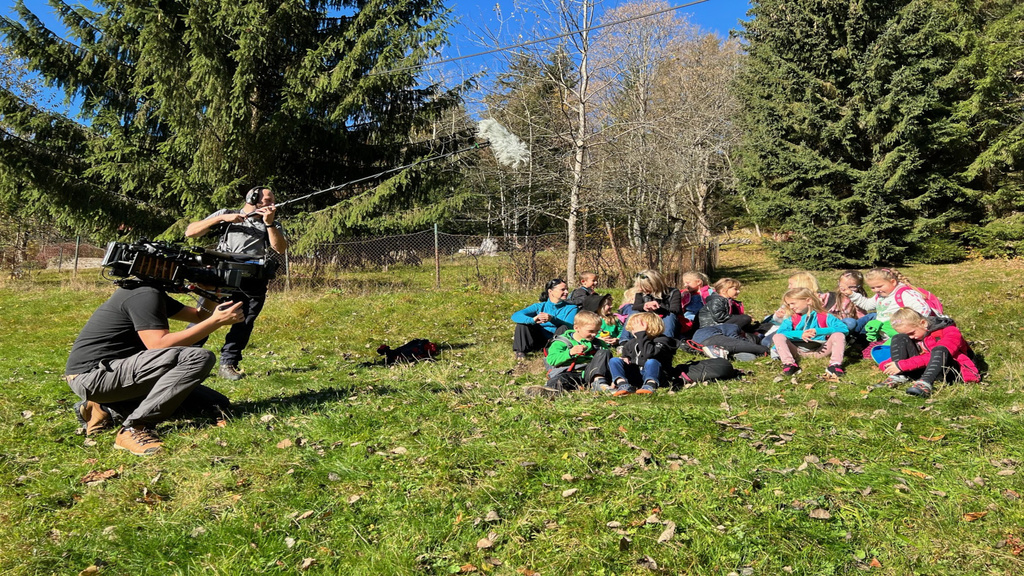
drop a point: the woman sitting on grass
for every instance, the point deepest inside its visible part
(538, 323)
(927, 349)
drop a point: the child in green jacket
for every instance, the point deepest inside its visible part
(574, 358)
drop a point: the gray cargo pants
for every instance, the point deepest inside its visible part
(161, 378)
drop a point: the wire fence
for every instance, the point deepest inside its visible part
(427, 259)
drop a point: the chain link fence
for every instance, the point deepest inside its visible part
(496, 262)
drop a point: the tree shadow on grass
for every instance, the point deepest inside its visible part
(747, 274)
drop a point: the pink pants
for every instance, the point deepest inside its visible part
(835, 344)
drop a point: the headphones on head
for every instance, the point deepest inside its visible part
(254, 195)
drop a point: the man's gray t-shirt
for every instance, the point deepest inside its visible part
(246, 237)
(112, 331)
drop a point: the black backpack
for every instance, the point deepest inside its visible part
(411, 351)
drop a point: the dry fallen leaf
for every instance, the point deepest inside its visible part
(972, 516)
(492, 516)
(932, 438)
(307, 563)
(914, 473)
(304, 515)
(467, 568)
(399, 450)
(668, 532)
(484, 543)
(875, 563)
(819, 514)
(354, 498)
(569, 492)
(286, 443)
(90, 571)
(96, 477)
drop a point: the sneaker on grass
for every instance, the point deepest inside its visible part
(920, 388)
(229, 372)
(622, 388)
(600, 384)
(138, 440)
(648, 388)
(713, 351)
(893, 381)
(92, 417)
(790, 369)
(835, 370)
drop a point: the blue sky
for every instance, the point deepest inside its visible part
(501, 19)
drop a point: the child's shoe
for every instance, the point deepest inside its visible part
(920, 388)
(600, 384)
(790, 369)
(648, 388)
(834, 373)
(623, 388)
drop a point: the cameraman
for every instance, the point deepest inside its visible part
(126, 352)
(251, 230)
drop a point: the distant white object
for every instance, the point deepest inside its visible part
(489, 247)
(508, 148)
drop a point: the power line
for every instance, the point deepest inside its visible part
(540, 40)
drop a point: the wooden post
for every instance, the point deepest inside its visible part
(78, 245)
(287, 273)
(437, 258)
(618, 254)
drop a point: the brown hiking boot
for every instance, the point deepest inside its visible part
(138, 440)
(92, 417)
(229, 372)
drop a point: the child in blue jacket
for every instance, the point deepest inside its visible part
(807, 330)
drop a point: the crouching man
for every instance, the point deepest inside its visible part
(127, 355)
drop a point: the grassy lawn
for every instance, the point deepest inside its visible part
(334, 464)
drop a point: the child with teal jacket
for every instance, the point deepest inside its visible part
(807, 330)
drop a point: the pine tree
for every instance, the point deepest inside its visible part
(186, 104)
(853, 146)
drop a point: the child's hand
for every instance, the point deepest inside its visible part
(845, 290)
(610, 341)
(542, 318)
(651, 306)
(809, 334)
(577, 350)
(892, 369)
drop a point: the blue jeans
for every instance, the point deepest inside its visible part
(634, 374)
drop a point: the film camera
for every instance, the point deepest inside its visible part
(174, 268)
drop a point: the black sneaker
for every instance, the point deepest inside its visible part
(835, 370)
(790, 369)
(229, 372)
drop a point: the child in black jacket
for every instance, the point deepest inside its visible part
(644, 357)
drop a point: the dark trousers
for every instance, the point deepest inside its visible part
(530, 338)
(156, 382)
(253, 295)
(581, 376)
(941, 365)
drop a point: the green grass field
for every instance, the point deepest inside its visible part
(334, 464)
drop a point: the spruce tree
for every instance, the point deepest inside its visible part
(186, 104)
(853, 146)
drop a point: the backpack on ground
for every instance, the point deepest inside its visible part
(412, 351)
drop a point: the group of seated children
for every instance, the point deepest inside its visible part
(901, 326)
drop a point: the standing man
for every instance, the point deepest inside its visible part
(251, 230)
(126, 353)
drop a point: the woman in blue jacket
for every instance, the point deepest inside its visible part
(539, 323)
